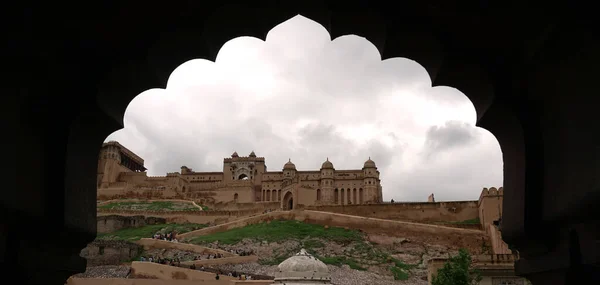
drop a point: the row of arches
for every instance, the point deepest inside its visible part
(348, 196)
(271, 195)
(341, 196)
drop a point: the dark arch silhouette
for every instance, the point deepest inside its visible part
(547, 180)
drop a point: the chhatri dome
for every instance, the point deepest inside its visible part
(289, 165)
(370, 164)
(302, 269)
(327, 164)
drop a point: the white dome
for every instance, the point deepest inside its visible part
(303, 268)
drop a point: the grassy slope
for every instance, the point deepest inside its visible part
(133, 234)
(311, 237)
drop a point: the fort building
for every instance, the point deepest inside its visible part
(243, 179)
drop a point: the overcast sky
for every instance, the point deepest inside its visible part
(300, 95)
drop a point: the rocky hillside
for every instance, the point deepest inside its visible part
(367, 258)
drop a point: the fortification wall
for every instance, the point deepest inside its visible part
(498, 245)
(111, 223)
(183, 219)
(461, 237)
(134, 281)
(239, 213)
(109, 252)
(149, 243)
(231, 206)
(139, 193)
(166, 272)
(241, 194)
(221, 261)
(418, 212)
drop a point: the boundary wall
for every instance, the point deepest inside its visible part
(133, 281)
(191, 212)
(178, 219)
(149, 243)
(167, 272)
(221, 261)
(456, 211)
(338, 220)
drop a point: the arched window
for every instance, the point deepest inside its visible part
(349, 196)
(235, 197)
(318, 194)
(342, 197)
(361, 196)
(336, 197)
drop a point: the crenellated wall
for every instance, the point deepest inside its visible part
(420, 212)
(490, 206)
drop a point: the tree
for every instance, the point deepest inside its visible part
(457, 271)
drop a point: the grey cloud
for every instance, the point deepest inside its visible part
(198, 121)
(450, 136)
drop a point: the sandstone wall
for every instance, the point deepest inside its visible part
(221, 261)
(458, 237)
(184, 218)
(246, 206)
(187, 213)
(498, 245)
(111, 223)
(109, 252)
(166, 272)
(418, 212)
(149, 243)
(123, 281)
(104, 194)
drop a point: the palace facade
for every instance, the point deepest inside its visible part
(244, 179)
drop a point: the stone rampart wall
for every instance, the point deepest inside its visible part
(111, 223)
(498, 245)
(149, 243)
(134, 281)
(418, 212)
(166, 272)
(190, 212)
(221, 261)
(247, 206)
(104, 194)
(109, 252)
(342, 220)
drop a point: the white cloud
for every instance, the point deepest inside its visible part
(300, 95)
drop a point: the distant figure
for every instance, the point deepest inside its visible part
(217, 276)
(392, 201)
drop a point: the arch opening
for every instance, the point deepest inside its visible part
(288, 201)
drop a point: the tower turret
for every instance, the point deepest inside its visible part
(327, 183)
(289, 170)
(371, 182)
